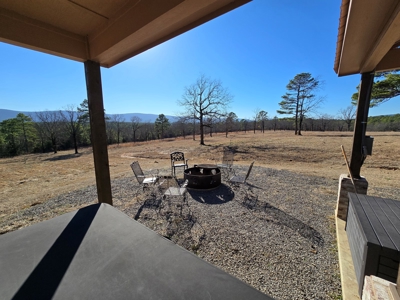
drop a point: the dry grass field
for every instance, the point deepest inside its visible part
(287, 208)
(31, 179)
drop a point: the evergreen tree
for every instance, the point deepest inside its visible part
(17, 135)
(161, 124)
(300, 98)
(383, 89)
(27, 131)
(10, 132)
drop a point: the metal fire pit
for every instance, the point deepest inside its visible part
(203, 177)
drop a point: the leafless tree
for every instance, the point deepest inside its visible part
(206, 98)
(71, 119)
(135, 125)
(210, 122)
(275, 122)
(243, 125)
(262, 117)
(230, 121)
(50, 121)
(324, 121)
(182, 124)
(347, 115)
(255, 118)
(115, 127)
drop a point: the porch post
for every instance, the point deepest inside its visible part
(98, 131)
(360, 126)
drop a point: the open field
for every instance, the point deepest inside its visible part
(31, 179)
(277, 234)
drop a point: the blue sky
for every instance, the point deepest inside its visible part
(254, 50)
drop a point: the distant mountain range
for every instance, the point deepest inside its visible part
(9, 114)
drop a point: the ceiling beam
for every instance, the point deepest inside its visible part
(131, 21)
(143, 42)
(108, 34)
(22, 31)
(391, 61)
(384, 42)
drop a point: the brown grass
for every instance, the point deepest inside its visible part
(32, 179)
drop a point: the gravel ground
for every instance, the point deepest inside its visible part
(277, 233)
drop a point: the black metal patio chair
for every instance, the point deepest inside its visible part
(178, 161)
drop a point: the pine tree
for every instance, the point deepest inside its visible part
(300, 98)
(161, 124)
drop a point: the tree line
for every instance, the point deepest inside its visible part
(205, 112)
(54, 131)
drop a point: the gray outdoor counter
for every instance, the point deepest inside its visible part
(98, 252)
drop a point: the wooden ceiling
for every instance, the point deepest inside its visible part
(107, 32)
(369, 36)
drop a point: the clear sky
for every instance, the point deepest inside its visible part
(254, 50)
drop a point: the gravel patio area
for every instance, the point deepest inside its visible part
(277, 234)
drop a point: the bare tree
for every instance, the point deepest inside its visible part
(182, 123)
(230, 121)
(347, 115)
(262, 117)
(324, 121)
(243, 125)
(50, 125)
(41, 135)
(71, 119)
(194, 125)
(148, 131)
(210, 122)
(275, 122)
(116, 123)
(135, 125)
(255, 118)
(206, 98)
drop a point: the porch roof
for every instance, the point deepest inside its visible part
(107, 32)
(369, 37)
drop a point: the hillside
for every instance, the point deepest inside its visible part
(9, 114)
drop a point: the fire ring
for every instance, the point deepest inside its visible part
(203, 177)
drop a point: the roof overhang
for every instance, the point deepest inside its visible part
(107, 32)
(368, 38)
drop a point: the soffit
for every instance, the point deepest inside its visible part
(369, 31)
(108, 32)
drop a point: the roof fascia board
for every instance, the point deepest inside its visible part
(344, 13)
(22, 31)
